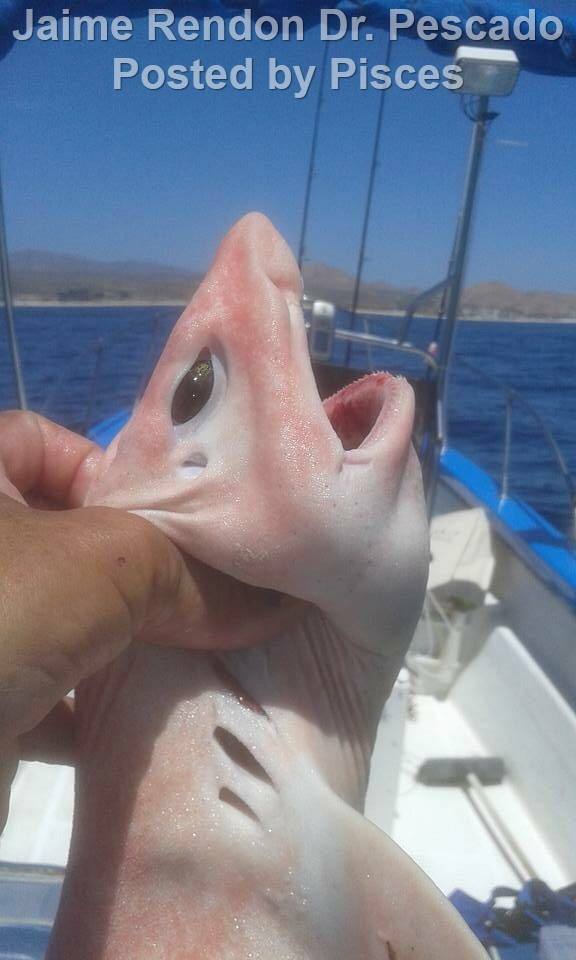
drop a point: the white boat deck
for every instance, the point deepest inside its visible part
(441, 828)
(491, 699)
(40, 821)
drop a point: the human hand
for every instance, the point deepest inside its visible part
(80, 584)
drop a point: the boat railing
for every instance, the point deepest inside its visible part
(514, 399)
(93, 357)
(98, 349)
(419, 300)
(323, 331)
(386, 343)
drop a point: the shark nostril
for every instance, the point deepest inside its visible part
(194, 389)
(194, 466)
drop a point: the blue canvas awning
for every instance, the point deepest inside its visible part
(557, 57)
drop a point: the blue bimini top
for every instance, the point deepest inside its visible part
(539, 55)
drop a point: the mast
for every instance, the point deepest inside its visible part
(482, 118)
(12, 341)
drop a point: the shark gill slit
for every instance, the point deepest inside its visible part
(240, 755)
(233, 800)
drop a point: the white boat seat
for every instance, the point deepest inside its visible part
(462, 559)
(461, 570)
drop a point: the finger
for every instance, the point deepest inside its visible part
(40, 458)
(53, 740)
(262, 623)
(215, 611)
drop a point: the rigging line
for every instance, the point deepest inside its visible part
(312, 162)
(7, 291)
(367, 212)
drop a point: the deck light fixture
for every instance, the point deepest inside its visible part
(487, 71)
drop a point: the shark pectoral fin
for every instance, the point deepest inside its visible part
(406, 916)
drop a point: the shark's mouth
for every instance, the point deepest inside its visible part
(354, 410)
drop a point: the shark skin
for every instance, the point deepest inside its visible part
(219, 793)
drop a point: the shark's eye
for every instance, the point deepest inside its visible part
(194, 389)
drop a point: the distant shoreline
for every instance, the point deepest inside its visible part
(99, 303)
(123, 304)
(478, 319)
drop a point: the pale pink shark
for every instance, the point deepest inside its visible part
(219, 794)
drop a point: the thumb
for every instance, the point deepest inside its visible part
(78, 586)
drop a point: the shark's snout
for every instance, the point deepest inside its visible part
(233, 454)
(255, 244)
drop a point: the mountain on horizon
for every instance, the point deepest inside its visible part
(43, 276)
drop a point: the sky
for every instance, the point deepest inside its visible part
(160, 175)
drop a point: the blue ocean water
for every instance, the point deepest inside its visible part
(83, 364)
